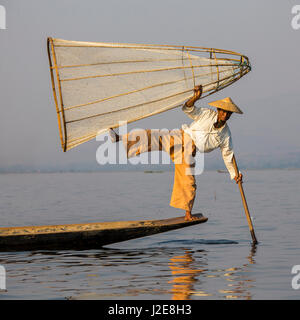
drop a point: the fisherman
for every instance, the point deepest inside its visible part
(208, 132)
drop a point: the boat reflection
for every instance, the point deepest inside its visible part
(189, 277)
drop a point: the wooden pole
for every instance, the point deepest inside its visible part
(245, 203)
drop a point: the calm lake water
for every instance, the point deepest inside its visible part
(214, 260)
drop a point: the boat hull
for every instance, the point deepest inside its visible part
(86, 236)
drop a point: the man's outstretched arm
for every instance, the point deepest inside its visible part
(227, 154)
(197, 95)
(189, 107)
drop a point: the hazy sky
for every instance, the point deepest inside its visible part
(269, 95)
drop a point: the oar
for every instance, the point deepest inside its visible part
(245, 203)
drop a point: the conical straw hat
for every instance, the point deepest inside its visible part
(226, 104)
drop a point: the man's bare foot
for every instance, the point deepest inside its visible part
(113, 136)
(189, 216)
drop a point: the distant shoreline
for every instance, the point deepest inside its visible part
(132, 170)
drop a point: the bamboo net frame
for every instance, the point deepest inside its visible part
(217, 60)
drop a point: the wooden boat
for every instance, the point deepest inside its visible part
(86, 236)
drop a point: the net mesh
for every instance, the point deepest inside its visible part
(96, 85)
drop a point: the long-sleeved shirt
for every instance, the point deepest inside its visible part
(207, 137)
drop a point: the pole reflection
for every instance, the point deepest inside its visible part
(240, 282)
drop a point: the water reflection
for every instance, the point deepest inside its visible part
(185, 275)
(143, 274)
(190, 278)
